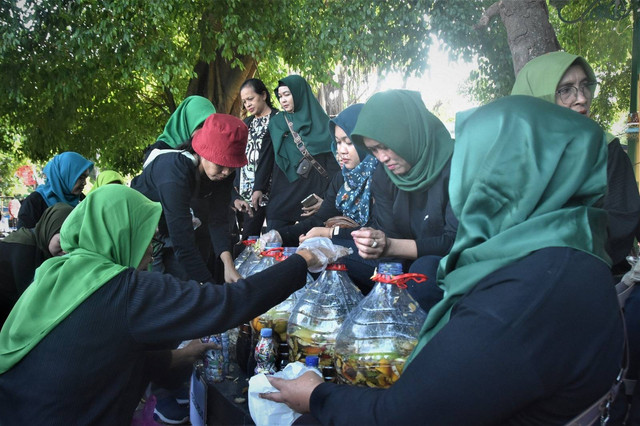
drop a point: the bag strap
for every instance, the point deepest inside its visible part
(303, 150)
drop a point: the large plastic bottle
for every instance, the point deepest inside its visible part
(246, 252)
(380, 333)
(253, 258)
(318, 314)
(265, 354)
(213, 360)
(268, 257)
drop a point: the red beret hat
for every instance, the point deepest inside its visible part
(222, 140)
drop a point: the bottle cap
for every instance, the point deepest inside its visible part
(265, 332)
(311, 361)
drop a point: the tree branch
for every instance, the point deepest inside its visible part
(491, 11)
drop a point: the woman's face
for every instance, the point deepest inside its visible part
(347, 154)
(392, 161)
(54, 246)
(213, 171)
(80, 183)
(573, 90)
(286, 98)
(254, 103)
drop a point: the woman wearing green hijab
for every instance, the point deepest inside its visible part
(107, 177)
(288, 187)
(568, 80)
(412, 216)
(528, 331)
(185, 120)
(24, 250)
(82, 333)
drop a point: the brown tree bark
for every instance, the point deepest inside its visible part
(529, 32)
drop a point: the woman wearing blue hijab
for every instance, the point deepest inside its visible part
(349, 193)
(66, 176)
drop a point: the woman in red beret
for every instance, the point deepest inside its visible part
(202, 168)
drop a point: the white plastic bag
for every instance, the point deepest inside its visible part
(325, 251)
(270, 413)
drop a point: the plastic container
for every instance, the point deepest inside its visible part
(312, 361)
(374, 342)
(267, 257)
(318, 314)
(213, 360)
(253, 258)
(249, 244)
(265, 354)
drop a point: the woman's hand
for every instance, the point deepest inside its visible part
(295, 393)
(256, 199)
(311, 210)
(190, 353)
(231, 275)
(242, 206)
(318, 231)
(371, 243)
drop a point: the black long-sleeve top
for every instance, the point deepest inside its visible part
(31, 210)
(285, 196)
(424, 216)
(534, 343)
(92, 368)
(173, 179)
(622, 203)
(328, 209)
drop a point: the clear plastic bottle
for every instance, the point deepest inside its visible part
(251, 261)
(265, 354)
(268, 258)
(318, 314)
(224, 340)
(246, 252)
(213, 360)
(375, 341)
(312, 361)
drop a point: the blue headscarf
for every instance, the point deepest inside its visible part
(62, 173)
(354, 196)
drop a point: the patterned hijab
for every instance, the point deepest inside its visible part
(525, 175)
(48, 225)
(62, 173)
(106, 234)
(309, 121)
(354, 196)
(189, 115)
(399, 120)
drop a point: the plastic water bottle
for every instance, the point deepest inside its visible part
(224, 337)
(265, 353)
(312, 361)
(213, 361)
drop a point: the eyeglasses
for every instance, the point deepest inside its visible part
(157, 245)
(569, 94)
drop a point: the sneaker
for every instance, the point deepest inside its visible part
(169, 411)
(182, 396)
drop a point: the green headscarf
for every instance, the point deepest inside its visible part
(48, 225)
(106, 177)
(189, 115)
(525, 175)
(399, 120)
(309, 121)
(107, 233)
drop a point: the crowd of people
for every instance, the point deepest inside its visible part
(522, 225)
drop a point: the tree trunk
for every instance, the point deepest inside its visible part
(529, 32)
(220, 83)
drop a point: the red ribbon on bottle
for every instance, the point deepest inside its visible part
(249, 242)
(273, 252)
(399, 280)
(337, 267)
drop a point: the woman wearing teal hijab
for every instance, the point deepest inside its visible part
(66, 175)
(288, 187)
(528, 331)
(83, 333)
(412, 216)
(568, 80)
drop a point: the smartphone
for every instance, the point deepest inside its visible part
(309, 201)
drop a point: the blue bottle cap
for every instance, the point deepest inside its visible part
(266, 332)
(311, 361)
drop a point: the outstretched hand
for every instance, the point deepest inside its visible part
(295, 393)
